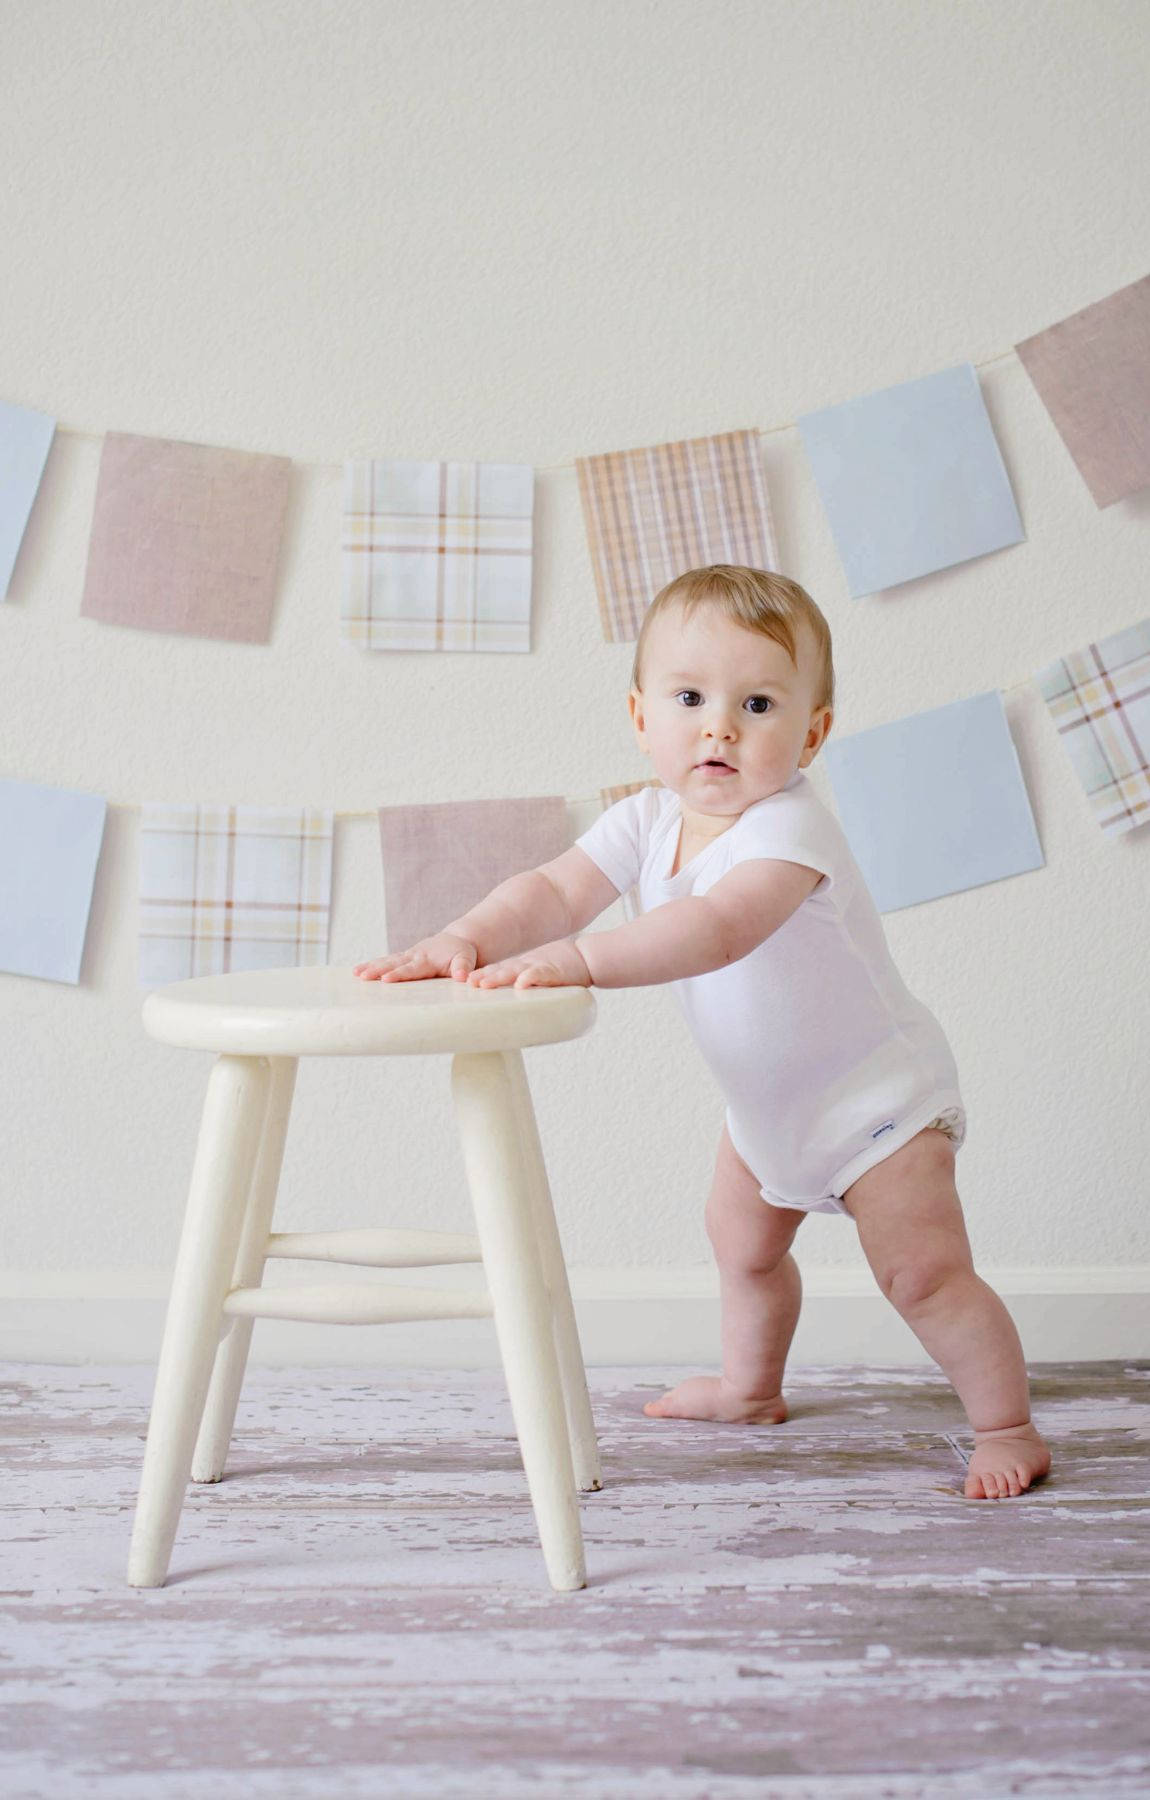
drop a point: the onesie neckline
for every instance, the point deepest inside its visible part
(688, 868)
(700, 856)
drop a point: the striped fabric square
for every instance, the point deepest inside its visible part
(609, 796)
(1099, 699)
(652, 514)
(185, 538)
(1092, 374)
(437, 555)
(224, 888)
(441, 859)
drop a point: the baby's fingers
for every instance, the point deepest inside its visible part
(371, 971)
(413, 966)
(542, 975)
(493, 975)
(399, 967)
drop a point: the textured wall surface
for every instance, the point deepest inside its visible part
(527, 233)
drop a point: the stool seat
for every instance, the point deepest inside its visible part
(328, 1011)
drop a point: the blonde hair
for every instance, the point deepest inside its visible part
(757, 599)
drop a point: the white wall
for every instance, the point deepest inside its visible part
(526, 232)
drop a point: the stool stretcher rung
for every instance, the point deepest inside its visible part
(351, 1305)
(376, 1249)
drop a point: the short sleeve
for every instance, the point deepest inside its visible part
(617, 841)
(791, 828)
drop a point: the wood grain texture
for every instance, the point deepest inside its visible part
(360, 1608)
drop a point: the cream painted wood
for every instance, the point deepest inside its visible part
(330, 1012)
(211, 1452)
(278, 1015)
(230, 1131)
(580, 1422)
(355, 1305)
(504, 1197)
(377, 1249)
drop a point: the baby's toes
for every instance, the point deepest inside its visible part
(980, 1487)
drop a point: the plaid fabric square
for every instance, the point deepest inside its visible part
(224, 888)
(185, 538)
(651, 514)
(1099, 698)
(1092, 373)
(440, 860)
(609, 796)
(437, 555)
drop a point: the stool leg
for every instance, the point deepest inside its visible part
(500, 1184)
(229, 1139)
(211, 1452)
(580, 1419)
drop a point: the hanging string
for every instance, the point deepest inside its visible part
(762, 431)
(540, 469)
(372, 812)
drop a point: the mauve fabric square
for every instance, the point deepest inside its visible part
(441, 859)
(1092, 373)
(185, 538)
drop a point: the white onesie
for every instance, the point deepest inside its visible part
(827, 1061)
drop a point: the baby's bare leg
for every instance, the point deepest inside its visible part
(761, 1292)
(913, 1234)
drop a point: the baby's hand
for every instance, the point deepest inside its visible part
(557, 964)
(443, 954)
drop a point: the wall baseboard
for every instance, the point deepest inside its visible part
(626, 1317)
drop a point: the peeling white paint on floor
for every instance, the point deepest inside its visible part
(360, 1608)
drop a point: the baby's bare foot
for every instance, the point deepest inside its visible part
(1004, 1462)
(709, 1397)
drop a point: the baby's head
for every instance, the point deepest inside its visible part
(732, 664)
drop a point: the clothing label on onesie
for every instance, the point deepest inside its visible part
(820, 1049)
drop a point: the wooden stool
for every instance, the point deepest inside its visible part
(259, 1023)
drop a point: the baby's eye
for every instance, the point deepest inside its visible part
(755, 698)
(685, 691)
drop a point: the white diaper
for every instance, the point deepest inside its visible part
(949, 1118)
(952, 1121)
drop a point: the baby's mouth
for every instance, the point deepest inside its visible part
(715, 763)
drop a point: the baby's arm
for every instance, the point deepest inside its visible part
(702, 932)
(559, 897)
(519, 913)
(548, 902)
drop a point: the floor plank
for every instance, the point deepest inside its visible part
(360, 1607)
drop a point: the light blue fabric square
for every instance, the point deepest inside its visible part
(25, 440)
(912, 479)
(49, 846)
(934, 803)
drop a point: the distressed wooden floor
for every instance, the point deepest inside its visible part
(360, 1608)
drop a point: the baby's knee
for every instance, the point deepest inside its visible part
(747, 1242)
(916, 1275)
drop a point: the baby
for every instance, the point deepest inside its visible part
(842, 1093)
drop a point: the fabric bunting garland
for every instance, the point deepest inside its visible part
(186, 539)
